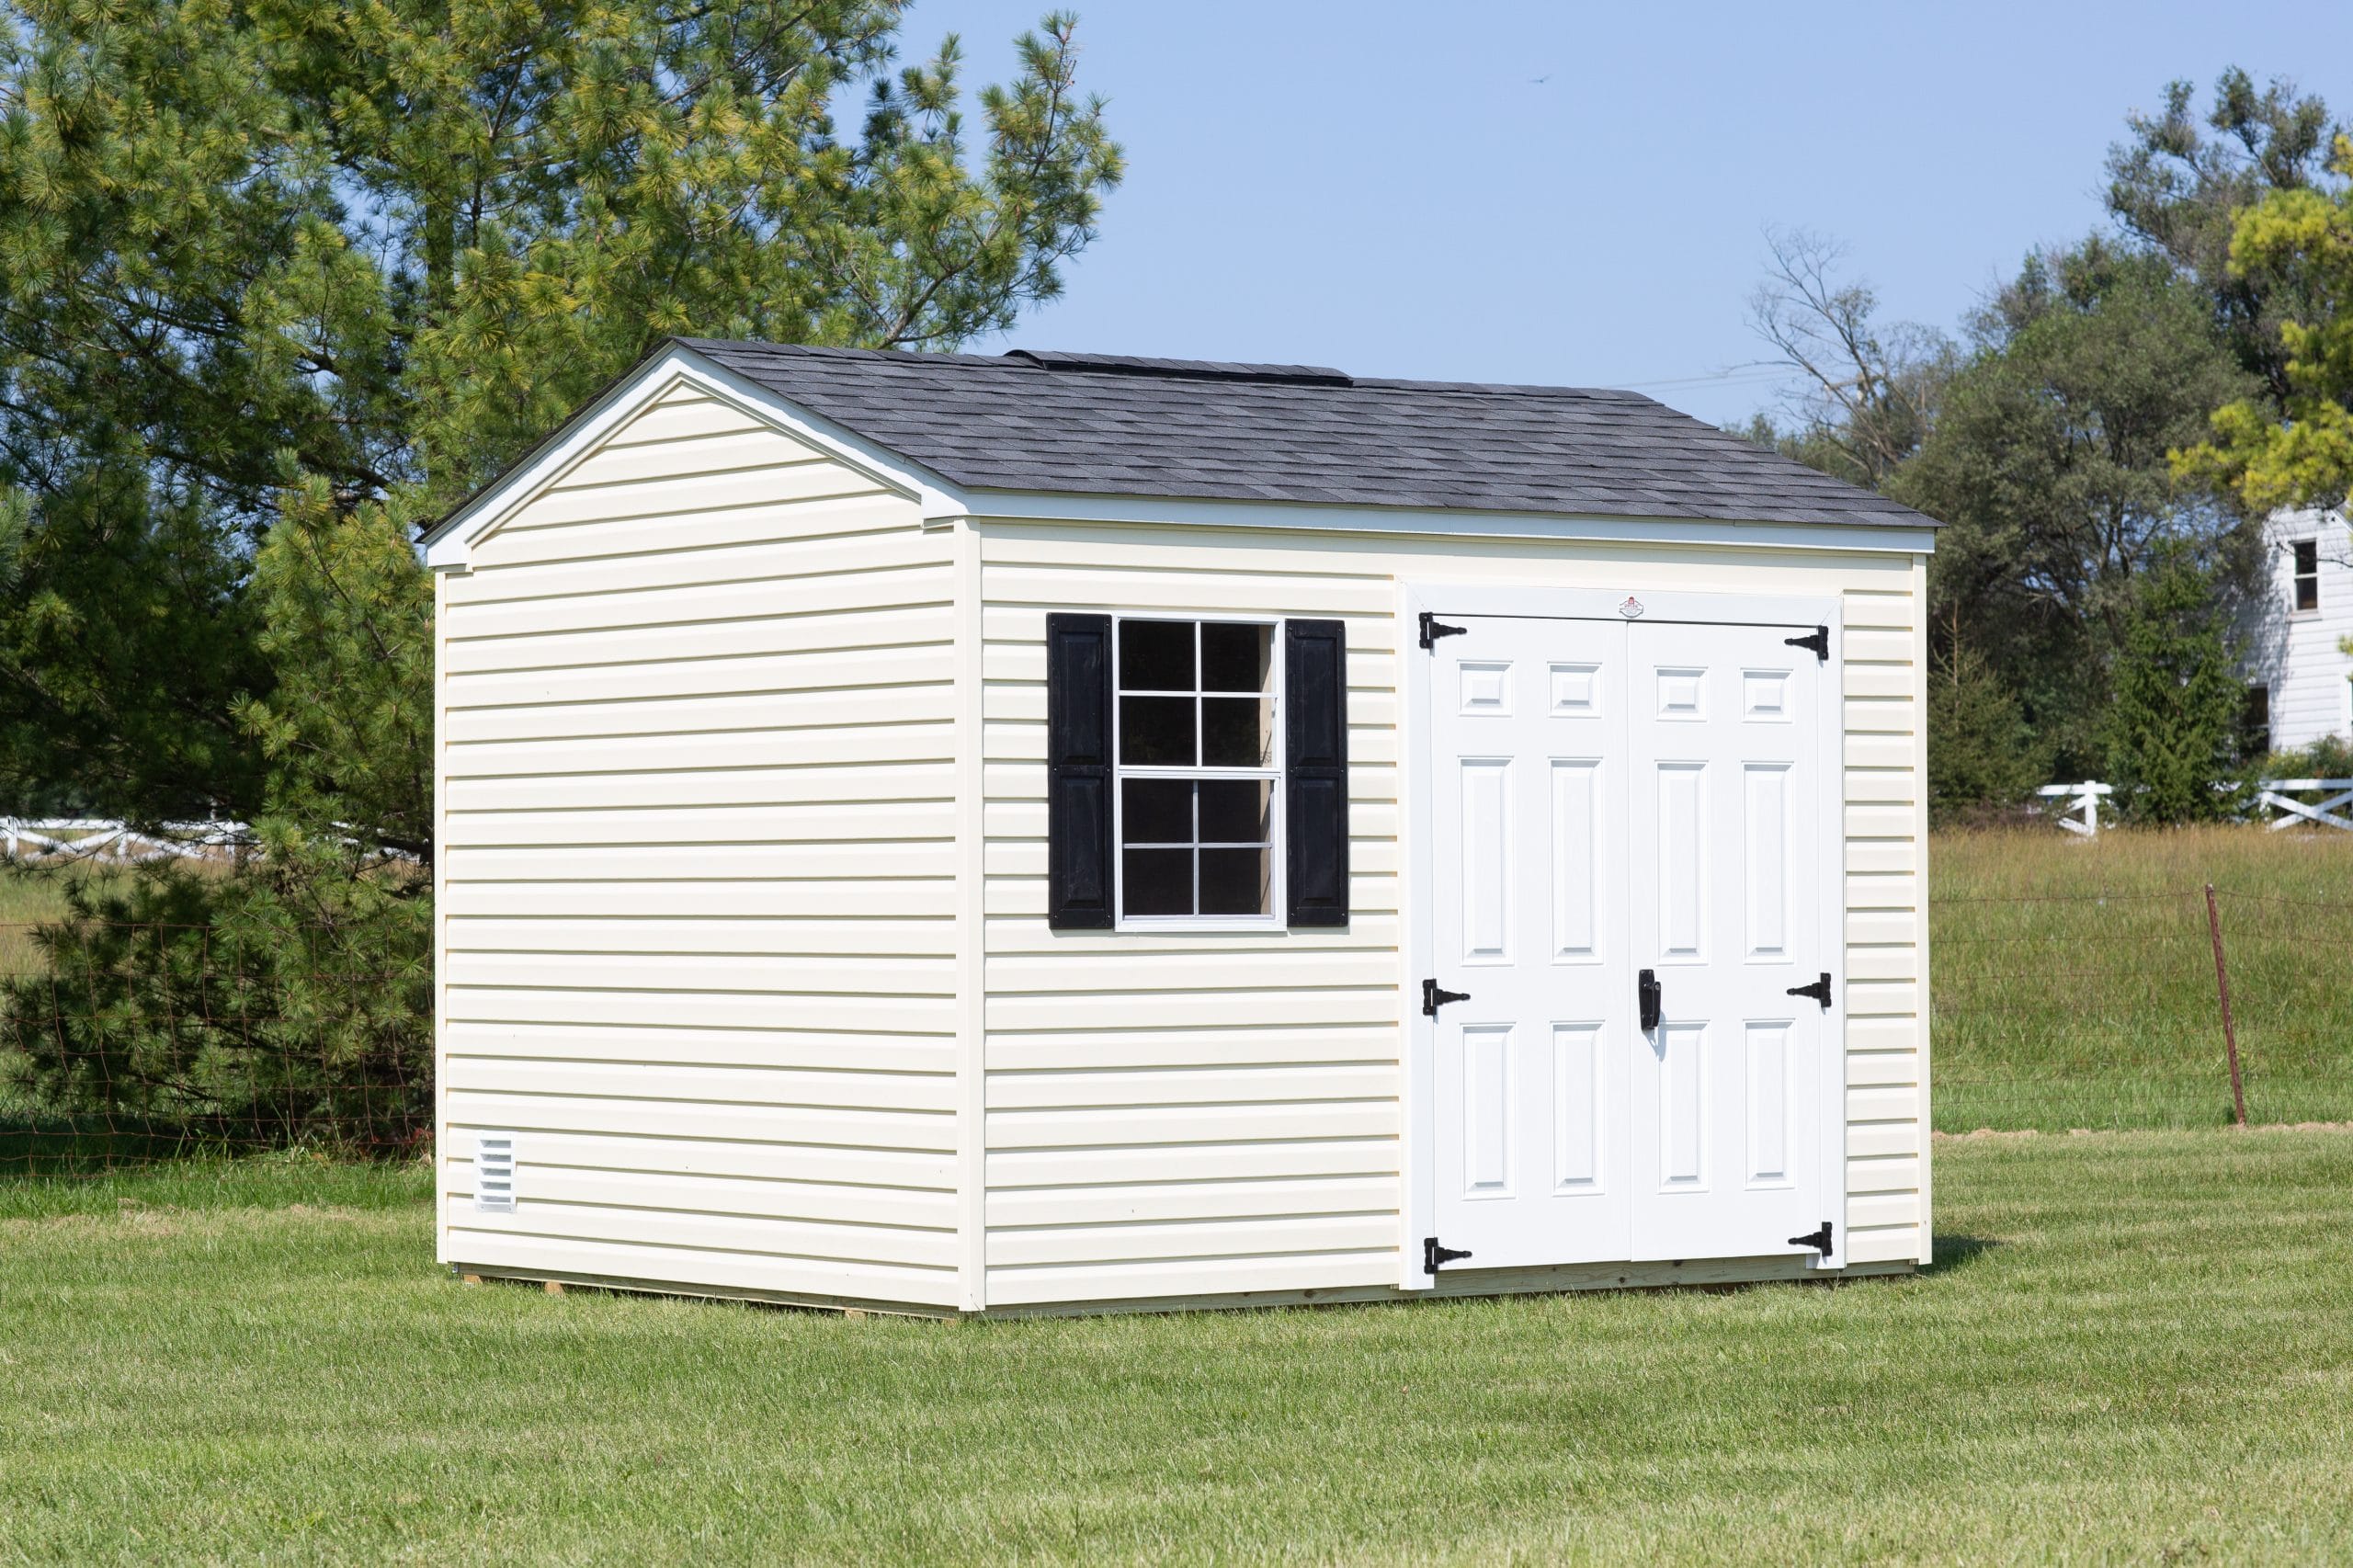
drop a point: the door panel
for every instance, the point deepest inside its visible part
(1529, 766)
(1613, 796)
(1726, 1099)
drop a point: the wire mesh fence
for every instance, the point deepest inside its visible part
(132, 1043)
(126, 1043)
(2105, 1009)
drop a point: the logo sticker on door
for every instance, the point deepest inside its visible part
(1631, 608)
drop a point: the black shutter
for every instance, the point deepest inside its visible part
(1078, 772)
(1316, 742)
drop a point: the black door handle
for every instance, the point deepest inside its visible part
(1646, 994)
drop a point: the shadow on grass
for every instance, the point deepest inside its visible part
(1960, 1251)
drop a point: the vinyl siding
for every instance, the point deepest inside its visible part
(2299, 655)
(698, 825)
(1193, 1116)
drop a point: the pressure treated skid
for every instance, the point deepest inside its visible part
(741, 885)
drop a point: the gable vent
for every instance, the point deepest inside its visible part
(495, 1173)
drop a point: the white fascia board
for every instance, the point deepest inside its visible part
(1012, 507)
(448, 545)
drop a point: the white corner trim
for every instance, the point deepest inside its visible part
(1009, 506)
(449, 544)
(972, 936)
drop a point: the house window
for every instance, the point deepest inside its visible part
(1197, 764)
(2307, 558)
(2254, 723)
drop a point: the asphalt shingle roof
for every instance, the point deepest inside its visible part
(1107, 425)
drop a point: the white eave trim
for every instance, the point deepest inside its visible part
(1010, 506)
(449, 546)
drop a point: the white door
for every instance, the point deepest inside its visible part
(1728, 1088)
(1611, 799)
(1528, 725)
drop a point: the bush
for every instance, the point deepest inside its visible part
(2331, 756)
(190, 1006)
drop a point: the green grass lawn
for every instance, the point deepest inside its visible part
(2073, 982)
(2137, 1347)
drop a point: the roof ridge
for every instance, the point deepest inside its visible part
(1149, 366)
(1179, 369)
(1126, 425)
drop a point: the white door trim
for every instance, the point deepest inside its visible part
(1418, 1205)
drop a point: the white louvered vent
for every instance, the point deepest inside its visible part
(495, 1173)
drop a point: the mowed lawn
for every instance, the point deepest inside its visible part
(2137, 1347)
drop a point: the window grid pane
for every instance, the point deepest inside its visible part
(1232, 751)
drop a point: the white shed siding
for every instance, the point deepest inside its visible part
(698, 857)
(1195, 1115)
(2300, 655)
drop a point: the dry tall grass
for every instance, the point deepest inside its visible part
(26, 897)
(2073, 981)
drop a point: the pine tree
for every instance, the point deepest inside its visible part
(280, 279)
(2174, 711)
(252, 249)
(1981, 756)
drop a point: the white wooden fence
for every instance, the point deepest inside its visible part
(118, 842)
(2082, 798)
(2325, 814)
(2080, 815)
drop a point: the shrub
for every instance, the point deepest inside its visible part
(191, 1005)
(2331, 756)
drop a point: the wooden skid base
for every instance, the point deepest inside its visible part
(556, 1284)
(1718, 1274)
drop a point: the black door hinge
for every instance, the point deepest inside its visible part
(1819, 991)
(1433, 998)
(1433, 1255)
(1818, 640)
(1818, 1240)
(1433, 628)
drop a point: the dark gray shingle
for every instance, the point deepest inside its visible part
(1109, 425)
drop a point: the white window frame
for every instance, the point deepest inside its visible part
(1273, 775)
(2296, 577)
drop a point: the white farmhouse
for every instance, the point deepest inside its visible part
(2300, 677)
(969, 834)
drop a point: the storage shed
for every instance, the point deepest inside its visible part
(967, 834)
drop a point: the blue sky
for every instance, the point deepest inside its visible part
(1352, 184)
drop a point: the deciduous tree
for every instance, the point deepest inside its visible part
(2049, 464)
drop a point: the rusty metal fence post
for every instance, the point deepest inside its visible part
(2222, 988)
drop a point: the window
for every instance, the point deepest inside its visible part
(1197, 763)
(2307, 574)
(2255, 723)
(1181, 790)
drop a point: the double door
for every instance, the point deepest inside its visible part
(1629, 859)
